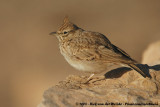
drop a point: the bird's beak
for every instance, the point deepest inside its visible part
(53, 33)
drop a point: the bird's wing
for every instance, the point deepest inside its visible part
(122, 52)
(109, 55)
(96, 46)
(85, 50)
(112, 51)
(96, 53)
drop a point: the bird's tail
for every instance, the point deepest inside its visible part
(140, 69)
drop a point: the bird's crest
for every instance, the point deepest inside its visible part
(66, 19)
(67, 25)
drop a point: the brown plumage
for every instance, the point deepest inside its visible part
(91, 51)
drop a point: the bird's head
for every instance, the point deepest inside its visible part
(65, 29)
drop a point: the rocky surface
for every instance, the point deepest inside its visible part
(152, 54)
(127, 88)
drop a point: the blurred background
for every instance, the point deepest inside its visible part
(30, 61)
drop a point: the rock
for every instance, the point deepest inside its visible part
(128, 89)
(152, 54)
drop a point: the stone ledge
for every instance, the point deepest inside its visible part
(130, 87)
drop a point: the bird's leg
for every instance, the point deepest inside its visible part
(89, 78)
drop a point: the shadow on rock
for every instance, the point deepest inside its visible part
(118, 72)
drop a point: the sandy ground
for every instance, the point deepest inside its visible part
(30, 58)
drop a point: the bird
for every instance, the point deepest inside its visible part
(91, 52)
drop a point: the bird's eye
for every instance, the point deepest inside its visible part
(65, 32)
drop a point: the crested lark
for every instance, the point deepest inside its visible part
(91, 51)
